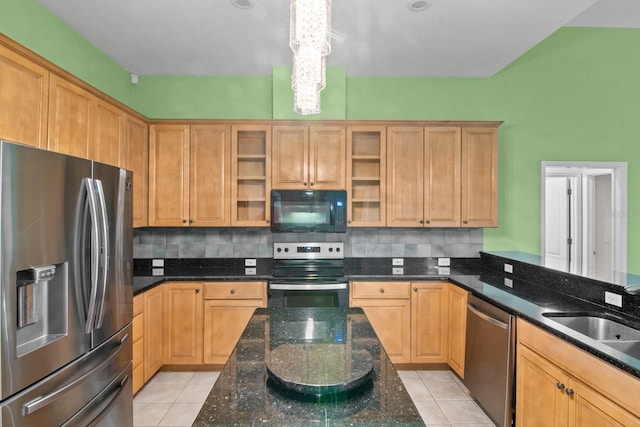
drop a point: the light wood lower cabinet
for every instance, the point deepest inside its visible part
(457, 328)
(388, 308)
(228, 306)
(153, 331)
(429, 322)
(183, 323)
(138, 342)
(558, 384)
(416, 322)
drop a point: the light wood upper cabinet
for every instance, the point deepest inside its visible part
(366, 176)
(423, 177)
(183, 304)
(250, 175)
(308, 157)
(168, 175)
(209, 172)
(136, 159)
(72, 115)
(24, 86)
(479, 177)
(189, 175)
(107, 146)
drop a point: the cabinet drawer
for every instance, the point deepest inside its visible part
(380, 290)
(138, 327)
(138, 352)
(234, 290)
(138, 304)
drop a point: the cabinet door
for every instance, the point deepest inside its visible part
(138, 342)
(136, 159)
(224, 321)
(442, 177)
(405, 176)
(391, 320)
(589, 408)
(168, 175)
(479, 177)
(72, 113)
(366, 176)
(24, 86)
(250, 175)
(327, 147)
(209, 164)
(183, 323)
(108, 144)
(457, 328)
(290, 157)
(153, 331)
(540, 391)
(429, 317)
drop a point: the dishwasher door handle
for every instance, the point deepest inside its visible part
(488, 318)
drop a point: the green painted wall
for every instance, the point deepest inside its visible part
(575, 96)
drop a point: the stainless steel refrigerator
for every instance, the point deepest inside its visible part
(66, 290)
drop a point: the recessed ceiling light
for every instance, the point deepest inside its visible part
(418, 5)
(243, 4)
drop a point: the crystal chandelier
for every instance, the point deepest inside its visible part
(309, 39)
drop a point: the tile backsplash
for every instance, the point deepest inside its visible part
(257, 242)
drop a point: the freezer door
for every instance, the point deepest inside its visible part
(80, 393)
(115, 286)
(41, 329)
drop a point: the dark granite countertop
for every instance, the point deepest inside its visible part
(523, 298)
(243, 395)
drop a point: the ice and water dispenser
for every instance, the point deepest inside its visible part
(42, 306)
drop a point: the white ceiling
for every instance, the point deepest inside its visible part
(466, 38)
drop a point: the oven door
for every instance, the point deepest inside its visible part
(304, 294)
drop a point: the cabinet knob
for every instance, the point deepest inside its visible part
(233, 291)
(267, 220)
(465, 221)
(304, 183)
(382, 290)
(190, 221)
(569, 392)
(428, 221)
(415, 289)
(421, 221)
(349, 222)
(184, 221)
(560, 386)
(197, 290)
(311, 184)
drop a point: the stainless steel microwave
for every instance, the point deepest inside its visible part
(299, 211)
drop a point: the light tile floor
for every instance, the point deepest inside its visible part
(174, 399)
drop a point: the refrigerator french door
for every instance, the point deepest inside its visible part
(65, 287)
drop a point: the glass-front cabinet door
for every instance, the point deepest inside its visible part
(366, 180)
(250, 175)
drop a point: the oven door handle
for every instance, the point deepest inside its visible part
(307, 287)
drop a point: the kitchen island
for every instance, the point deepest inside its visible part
(245, 394)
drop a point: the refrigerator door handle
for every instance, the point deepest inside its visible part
(95, 253)
(104, 251)
(41, 402)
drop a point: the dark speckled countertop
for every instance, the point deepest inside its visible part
(532, 292)
(243, 396)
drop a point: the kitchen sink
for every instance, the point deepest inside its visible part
(630, 348)
(596, 327)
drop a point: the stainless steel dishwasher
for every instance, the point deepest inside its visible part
(490, 359)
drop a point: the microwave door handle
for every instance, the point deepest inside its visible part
(95, 254)
(104, 251)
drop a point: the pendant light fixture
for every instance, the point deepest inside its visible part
(309, 39)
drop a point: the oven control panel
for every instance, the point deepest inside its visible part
(320, 250)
